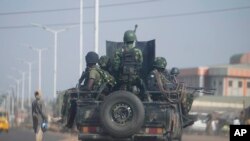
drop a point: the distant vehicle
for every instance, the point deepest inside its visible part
(4, 121)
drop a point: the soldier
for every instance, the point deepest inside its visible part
(186, 99)
(127, 63)
(92, 81)
(158, 80)
(104, 63)
(95, 76)
(173, 74)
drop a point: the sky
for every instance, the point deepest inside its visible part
(188, 34)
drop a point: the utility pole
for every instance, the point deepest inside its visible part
(39, 50)
(29, 96)
(55, 32)
(23, 86)
(12, 99)
(29, 79)
(96, 25)
(81, 37)
(17, 88)
(9, 101)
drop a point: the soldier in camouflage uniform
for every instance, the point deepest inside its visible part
(104, 63)
(186, 99)
(93, 78)
(127, 63)
(159, 79)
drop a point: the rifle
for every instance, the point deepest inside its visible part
(203, 90)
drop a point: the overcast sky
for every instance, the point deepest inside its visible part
(188, 33)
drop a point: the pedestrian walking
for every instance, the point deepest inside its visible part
(39, 116)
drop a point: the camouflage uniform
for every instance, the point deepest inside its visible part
(100, 76)
(104, 63)
(94, 74)
(157, 79)
(127, 63)
(92, 81)
(186, 99)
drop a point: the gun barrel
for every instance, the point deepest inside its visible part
(135, 28)
(195, 88)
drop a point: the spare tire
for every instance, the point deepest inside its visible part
(122, 114)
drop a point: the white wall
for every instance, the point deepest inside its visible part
(235, 90)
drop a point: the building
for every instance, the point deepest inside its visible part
(229, 80)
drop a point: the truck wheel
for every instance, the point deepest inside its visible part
(122, 114)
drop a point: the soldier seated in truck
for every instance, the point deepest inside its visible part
(94, 77)
(159, 81)
(104, 63)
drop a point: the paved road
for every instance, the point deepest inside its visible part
(28, 135)
(186, 137)
(204, 138)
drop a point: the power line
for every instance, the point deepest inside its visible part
(137, 18)
(76, 8)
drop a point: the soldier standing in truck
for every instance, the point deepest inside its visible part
(127, 63)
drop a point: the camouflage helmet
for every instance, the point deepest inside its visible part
(103, 61)
(129, 36)
(91, 57)
(174, 71)
(160, 62)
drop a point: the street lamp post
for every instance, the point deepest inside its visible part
(81, 37)
(23, 86)
(55, 32)
(29, 79)
(17, 88)
(96, 25)
(39, 50)
(9, 101)
(12, 99)
(29, 96)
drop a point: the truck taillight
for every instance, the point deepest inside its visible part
(154, 130)
(90, 129)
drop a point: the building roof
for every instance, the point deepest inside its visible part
(241, 66)
(236, 58)
(233, 70)
(243, 58)
(194, 71)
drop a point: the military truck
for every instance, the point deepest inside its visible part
(123, 115)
